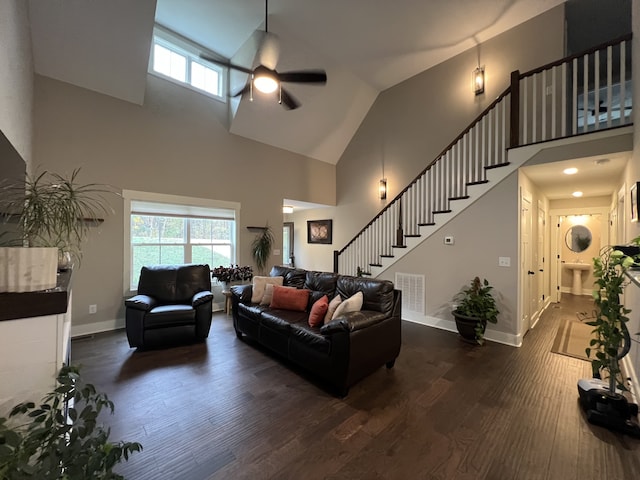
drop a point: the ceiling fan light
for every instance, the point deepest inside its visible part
(265, 83)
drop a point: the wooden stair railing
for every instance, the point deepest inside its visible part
(554, 101)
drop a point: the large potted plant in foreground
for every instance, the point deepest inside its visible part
(60, 438)
(475, 306)
(603, 398)
(610, 329)
(52, 215)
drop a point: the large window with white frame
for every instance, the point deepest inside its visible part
(167, 229)
(178, 60)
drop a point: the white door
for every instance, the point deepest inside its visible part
(526, 262)
(540, 260)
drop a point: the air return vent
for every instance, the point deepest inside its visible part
(413, 297)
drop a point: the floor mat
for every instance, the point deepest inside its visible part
(572, 339)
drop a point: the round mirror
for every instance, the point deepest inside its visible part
(578, 238)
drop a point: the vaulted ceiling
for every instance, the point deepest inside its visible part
(365, 47)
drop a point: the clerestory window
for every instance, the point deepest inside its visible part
(178, 60)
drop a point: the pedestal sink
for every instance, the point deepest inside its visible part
(577, 268)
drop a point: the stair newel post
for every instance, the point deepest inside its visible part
(514, 123)
(336, 255)
(399, 231)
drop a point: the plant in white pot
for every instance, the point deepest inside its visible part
(53, 214)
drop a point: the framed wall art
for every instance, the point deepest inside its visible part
(319, 231)
(634, 201)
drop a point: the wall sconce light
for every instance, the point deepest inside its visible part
(287, 209)
(478, 80)
(382, 189)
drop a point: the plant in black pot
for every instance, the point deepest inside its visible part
(475, 306)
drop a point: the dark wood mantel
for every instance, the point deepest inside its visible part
(37, 304)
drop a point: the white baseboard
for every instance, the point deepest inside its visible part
(538, 315)
(115, 324)
(585, 291)
(96, 327)
(450, 326)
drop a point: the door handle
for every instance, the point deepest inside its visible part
(541, 270)
(531, 273)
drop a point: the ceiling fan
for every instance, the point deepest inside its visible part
(265, 78)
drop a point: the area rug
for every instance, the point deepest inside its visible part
(572, 339)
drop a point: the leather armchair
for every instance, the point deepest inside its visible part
(173, 304)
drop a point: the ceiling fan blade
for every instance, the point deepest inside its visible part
(223, 63)
(304, 76)
(269, 50)
(289, 102)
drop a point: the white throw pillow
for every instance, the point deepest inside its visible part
(333, 304)
(351, 304)
(260, 283)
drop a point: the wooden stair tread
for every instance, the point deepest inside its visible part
(479, 182)
(497, 165)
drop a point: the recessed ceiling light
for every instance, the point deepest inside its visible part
(287, 209)
(577, 194)
(570, 171)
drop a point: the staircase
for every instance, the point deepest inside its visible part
(583, 93)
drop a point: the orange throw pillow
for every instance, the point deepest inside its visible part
(289, 298)
(318, 311)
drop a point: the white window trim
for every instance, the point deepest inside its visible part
(192, 51)
(133, 195)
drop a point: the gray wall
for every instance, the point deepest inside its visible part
(407, 127)
(16, 80)
(632, 175)
(174, 144)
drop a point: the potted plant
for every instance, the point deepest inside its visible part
(232, 273)
(53, 214)
(261, 248)
(475, 306)
(61, 438)
(611, 334)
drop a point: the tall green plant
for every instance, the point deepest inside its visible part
(49, 441)
(611, 314)
(261, 248)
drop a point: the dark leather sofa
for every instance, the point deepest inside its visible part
(340, 352)
(173, 305)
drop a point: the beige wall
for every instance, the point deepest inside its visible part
(175, 144)
(631, 175)
(483, 232)
(411, 123)
(16, 77)
(406, 128)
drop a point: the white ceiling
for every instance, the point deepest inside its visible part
(365, 46)
(596, 176)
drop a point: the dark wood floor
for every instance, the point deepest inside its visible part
(447, 410)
